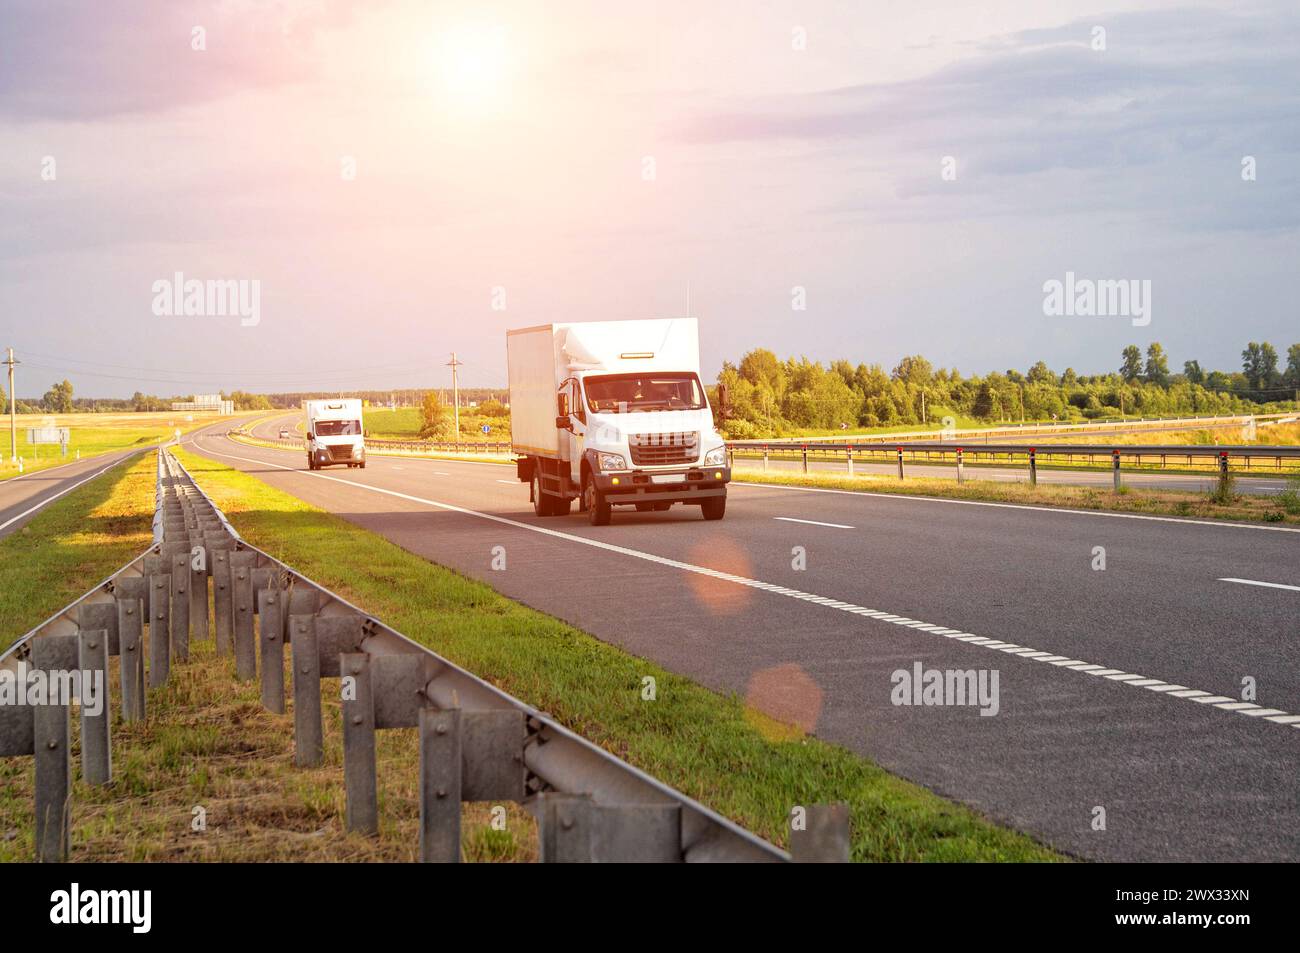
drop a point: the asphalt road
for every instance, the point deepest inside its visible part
(1099, 671)
(22, 497)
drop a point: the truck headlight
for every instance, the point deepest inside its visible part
(716, 457)
(610, 461)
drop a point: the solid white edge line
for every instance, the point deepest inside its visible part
(1089, 668)
(50, 499)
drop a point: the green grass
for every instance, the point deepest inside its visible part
(715, 748)
(74, 543)
(404, 423)
(90, 435)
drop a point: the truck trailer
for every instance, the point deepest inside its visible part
(334, 433)
(613, 413)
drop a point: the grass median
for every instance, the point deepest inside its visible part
(710, 746)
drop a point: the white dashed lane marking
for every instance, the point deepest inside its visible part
(1256, 582)
(1168, 689)
(791, 519)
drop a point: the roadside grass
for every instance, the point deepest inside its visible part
(93, 434)
(75, 543)
(1222, 505)
(715, 748)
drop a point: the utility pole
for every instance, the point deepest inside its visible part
(923, 406)
(13, 404)
(455, 390)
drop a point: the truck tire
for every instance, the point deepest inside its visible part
(540, 505)
(713, 507)
(597, 506)
(311, 464)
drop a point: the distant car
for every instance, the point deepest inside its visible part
(284, 433)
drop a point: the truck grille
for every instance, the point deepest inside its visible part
(663, 449)
(340, 453)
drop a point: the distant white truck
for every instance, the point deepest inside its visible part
(613, 413)
(334, 433)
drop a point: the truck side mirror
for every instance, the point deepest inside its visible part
(310, 435)
(562, 404)
(562, 423)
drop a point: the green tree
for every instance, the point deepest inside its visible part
(1131, 368)
(1292, 376)
(1259, 364)
(58, 399)
(1040, 373)
(437, 419)
(1157, 369)
(1192, 371)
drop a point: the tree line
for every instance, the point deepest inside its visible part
(767, 396)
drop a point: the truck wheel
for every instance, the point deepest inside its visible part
(646, 507)
(362, 464)
(597, 506)
(541, 506)
(713, 507)
(660, 507)
(311, 464)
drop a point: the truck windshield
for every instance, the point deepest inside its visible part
(623, 393)
(338, 428)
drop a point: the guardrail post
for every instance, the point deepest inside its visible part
(824, 836)
(308, 735)
(199, 593)
(440, 785)
(96, 750)
(764, 458)
(241, 594)
(1114, 456)
(850, 459)
(900, 463)
(271, 632)
(180, 566)
(221, 600)
(805, 458)
(959, 469)
(51, 743)
(130, 643)
(159, 626)
(359, 744)
(564, 828)
(1033, 467)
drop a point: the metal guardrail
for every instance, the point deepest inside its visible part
(971, 435)
(476, 741)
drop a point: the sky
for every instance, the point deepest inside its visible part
(401, 180)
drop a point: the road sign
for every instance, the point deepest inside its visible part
(37, 435)
(487, 429)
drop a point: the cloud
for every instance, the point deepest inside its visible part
(69, 60)
(1040, 122)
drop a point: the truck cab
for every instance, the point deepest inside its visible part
(644, 438)
(334, 434)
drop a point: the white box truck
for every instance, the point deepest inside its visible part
(613, 413)
(334, 433)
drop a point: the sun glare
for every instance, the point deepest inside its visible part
(474, 65)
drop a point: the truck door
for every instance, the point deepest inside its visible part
(576, 437)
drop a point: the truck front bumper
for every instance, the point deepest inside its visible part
(685, 484)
